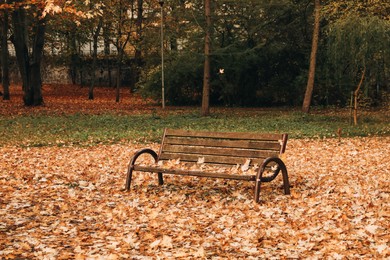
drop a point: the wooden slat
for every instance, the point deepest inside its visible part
(196, 173)
(225, 135)
(200, 150)
(226, 160)
(249, 144)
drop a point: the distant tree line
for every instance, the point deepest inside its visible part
(259, 50)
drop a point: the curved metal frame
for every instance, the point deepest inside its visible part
(259, 177)
(132, 163)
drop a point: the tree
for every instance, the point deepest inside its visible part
(74, 54)
(107, 51)
(313, 58)
(122, 38)
(357, 41)
(355, 95)
(4, 56)
(138, 62)
(23, 17)
(120, 29)
(95, 34)
(207, 51)
(29, 21)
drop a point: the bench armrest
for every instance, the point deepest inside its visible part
(280, 167)
(140, 152)
(134, 159)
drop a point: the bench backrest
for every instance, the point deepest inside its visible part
(220, 148)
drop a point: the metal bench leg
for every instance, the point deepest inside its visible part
(286, 183)
(160, 178)
(128, 178)
(257, 189)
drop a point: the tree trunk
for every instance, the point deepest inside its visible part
(135, 72)
(120, 45)
(74, 55)
(29, 67)
(4, 57)
(313, 57)
(94, 59)
(19, 40)
(119, 74)
(106, 36)
(206, 73)
(35, 63)
(118, 80)
(355, 95)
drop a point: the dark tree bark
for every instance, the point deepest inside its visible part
(4, 57)
(74, 56)
(206, 74)
(313, 57)
(119, 55)
(106, 36)
(121, 43)
(138, 46)
(94, 58)
(29, 66)
(119, 74)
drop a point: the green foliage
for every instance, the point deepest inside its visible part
(355, 43)
(89, 130)
(263, 48)
(262, 76)
(183, 80)
(256, 46)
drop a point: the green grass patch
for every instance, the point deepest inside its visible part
(80, 129)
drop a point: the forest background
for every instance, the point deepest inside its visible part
(260, 50)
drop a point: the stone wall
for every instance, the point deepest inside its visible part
(60, 74)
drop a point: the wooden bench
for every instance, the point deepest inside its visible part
(218, 149)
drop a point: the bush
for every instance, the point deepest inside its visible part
(265, 76)
(183, 80)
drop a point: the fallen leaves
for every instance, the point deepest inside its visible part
(70, 99)
(69, 203)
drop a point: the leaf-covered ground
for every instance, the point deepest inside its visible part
(69, 99)
(68, 202)
(60, 99)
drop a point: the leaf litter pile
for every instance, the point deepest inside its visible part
(69, 202)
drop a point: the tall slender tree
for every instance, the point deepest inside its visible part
(207, 52)
(4, 56)
(313, 58)
(107, 51)
(135, 70)
(95, 35)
